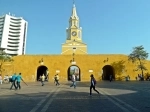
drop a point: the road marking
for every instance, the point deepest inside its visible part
(120, 101)
(44, 109)
(42, 101)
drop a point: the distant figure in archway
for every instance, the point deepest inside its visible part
(73, 81)
(108, 73)
(110, 78)
(42, 79)
(40, 71)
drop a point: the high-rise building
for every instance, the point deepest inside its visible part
(13, 33)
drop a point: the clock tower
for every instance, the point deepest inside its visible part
(74, 42)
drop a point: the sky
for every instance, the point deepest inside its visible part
(108, 26)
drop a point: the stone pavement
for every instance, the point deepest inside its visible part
(114, 97)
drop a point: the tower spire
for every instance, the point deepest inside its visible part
(74, 12)
(73, 3)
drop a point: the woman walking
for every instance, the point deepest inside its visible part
(93, 83)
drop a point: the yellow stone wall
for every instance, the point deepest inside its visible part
(28, 64)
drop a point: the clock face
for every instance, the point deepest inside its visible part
(74, 33)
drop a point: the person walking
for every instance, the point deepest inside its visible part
(93, 83)
(57, 80)
(110, 78)
(54, 79)
(1, 79)
(73, 81)
(18, 79)
(14, 77)
(42, 79)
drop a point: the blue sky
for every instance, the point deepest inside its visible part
(109, 26)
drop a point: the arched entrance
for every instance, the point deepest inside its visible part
(42, 70)
(73, 69)
(107, 71)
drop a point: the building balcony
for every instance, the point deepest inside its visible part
(14, 28)
(14, 22)
(13, 40)
(16, 19)
(14, 25)
(13, 45)
(10, 52)
(14, 31)
(1, 26)
(13, 35)
(2, 20)
(12, 48)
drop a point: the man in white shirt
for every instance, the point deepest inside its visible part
(73, 81)
(42, 79)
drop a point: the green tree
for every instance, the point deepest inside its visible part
(138, 54)
(4, 58)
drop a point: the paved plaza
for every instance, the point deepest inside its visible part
(115, 96)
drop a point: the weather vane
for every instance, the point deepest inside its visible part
(73, 1)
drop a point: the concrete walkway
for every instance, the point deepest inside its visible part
(114, 97)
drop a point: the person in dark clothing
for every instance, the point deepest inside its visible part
(14, 77)
(110, 78)
(57, 80)
(93, 83)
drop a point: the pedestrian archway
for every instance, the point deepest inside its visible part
(73, 69)
(107, 71)
(42, 70)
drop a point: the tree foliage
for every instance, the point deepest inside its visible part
(4, 58)
(139, 54)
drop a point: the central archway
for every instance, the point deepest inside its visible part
(107, 71)
(74, 69)
(42, 70)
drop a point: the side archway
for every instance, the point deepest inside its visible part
(107, 71)
(42, 70)
(74, 69)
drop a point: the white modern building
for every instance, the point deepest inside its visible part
(13, 33)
